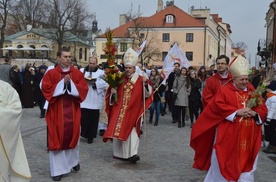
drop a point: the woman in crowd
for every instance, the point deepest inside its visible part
(182, 88)
(156, 80)
(16, 83)
(194, 97)
(28, 87)
(40, 99)
(202, 73)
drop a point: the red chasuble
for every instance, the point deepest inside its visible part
(127, 112)
(237, 143)
(212, 86)
(63, 113)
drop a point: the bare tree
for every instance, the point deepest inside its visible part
(30, 12)
(80, 20)
(66, 15)
(5, 6)
(141, 30)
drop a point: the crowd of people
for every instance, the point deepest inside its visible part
(212, 100)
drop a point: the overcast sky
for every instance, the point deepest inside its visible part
(246, 17)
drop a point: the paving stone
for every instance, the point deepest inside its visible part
(164, 151)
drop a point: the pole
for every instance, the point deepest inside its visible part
(144, 113)
(42, 57)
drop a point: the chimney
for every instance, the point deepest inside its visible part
(29, 27)
(122, 19)
(159, 6)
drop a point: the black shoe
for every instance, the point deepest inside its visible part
(150, 121)
(42, 117)
(183, 124)
(162, 113)
(174, 121)
(119, 158)
(76, 168)
(155, 123)
(270, 150)
(101, 132)
(89, 141)
(134, 159)
(179, 126)
(57, 178)
(141, 132)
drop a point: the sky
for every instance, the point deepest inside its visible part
(246, 17)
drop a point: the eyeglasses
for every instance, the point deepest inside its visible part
(221, 63)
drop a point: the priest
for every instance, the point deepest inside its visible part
(227, 135)
(64, 87)
(124, 116)
(14, 165)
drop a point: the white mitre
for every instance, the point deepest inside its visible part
(130, 57)
(239, 66)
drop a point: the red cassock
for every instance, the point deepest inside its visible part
(63, 113)
(127, 112)
(212, 86)
(237, 143)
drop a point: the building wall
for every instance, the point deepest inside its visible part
(205, 43)
(269, 26)
(37, 41)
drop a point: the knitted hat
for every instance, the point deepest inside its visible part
(42, 67)
(272, 85)
(202, 67)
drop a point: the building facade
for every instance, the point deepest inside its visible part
(39, 46)
(269, 50)
(202, 36)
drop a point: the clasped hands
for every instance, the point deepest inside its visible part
(67, 79)
(246, 112)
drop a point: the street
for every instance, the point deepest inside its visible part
(164, 151)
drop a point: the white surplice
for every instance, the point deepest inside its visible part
(128, 148)
(14, 165)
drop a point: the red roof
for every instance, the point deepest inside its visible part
(158, 20)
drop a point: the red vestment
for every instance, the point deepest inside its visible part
(127, 112)
(63, 113)
(212, 86)
(237, 143)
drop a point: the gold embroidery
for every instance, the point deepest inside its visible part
(126, 98)
(246, 121)
(129, 57)
(242, 100)
(244, 145)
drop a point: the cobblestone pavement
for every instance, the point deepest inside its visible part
(164, 151)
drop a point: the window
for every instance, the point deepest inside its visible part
(169, 19)
(166, 37)
(85, 54)
(103, 56)
(189, 56)
(142, 35)
(123, 47)
(189, 37)
(80, 54)
(164, 54)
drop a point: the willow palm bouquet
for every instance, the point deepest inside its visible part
(112, 76)
(256, 98)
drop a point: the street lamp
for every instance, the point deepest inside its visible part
(42, 56)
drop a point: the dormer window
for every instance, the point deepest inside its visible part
(169, 19)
